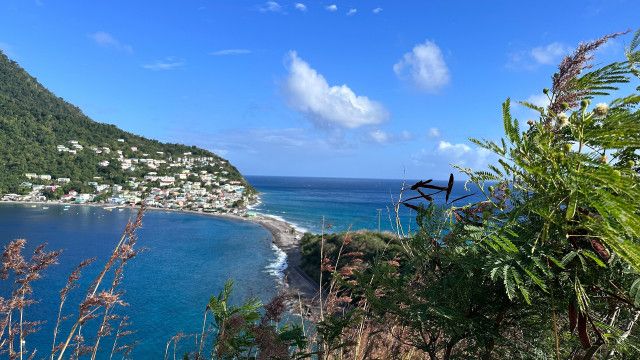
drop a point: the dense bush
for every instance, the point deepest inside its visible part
(366, 245)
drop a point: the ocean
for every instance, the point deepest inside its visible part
(344, 203)
(188, 257)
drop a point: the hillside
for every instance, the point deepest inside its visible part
(41, 133)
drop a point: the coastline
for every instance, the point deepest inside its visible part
(284, 235)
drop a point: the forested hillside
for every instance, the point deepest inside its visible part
(34, 122)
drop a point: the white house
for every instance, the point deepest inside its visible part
(166, 180)
(102, 187)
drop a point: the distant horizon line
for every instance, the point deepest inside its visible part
(341, 177)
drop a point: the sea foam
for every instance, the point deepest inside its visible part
(279, 265)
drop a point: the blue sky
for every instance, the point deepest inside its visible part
(375, 88)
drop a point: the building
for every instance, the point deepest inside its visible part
(166, 180)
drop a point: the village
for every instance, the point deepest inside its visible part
(188, 182)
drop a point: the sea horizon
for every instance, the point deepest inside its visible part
(344, 177)
(266, 179)
(78, 229)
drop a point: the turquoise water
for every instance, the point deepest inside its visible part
(344, 203)
(187, 259)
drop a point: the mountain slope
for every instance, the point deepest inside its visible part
(34, 123)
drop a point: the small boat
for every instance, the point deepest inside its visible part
(45, 208)
(121, 209)
(34, 205)
(109, 208)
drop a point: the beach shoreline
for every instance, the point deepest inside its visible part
(284, 236)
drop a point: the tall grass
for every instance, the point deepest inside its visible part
(98, 306)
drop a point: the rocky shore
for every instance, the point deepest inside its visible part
(287, 239)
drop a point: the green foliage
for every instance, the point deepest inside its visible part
(569, 235)
(444, 294)
(546, 266)
(33, 121)
(368, 245)
(243, 331)
(53, 195)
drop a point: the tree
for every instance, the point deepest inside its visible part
(569, 234)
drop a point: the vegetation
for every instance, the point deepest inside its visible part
(243, 331)
(33, 122)
(98, 314)
(547, 265)
(365, 245)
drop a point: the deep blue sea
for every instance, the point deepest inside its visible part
(188, 257)
(344, 203)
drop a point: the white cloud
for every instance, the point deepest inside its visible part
(107, 40)
(425, 66)
(549, 54)
(270, 6)
(226, 52)
(169, 63)
(332, 8)
(464, 155)
(377, 10)
(382, 137)
(434, 132)
(540, 100)
(352, 11)
(301, 7)
(379, 136)
(449, 153)
(456, 149)
(521, 111)
(308, 92)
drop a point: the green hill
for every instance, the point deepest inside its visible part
(34, 123)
